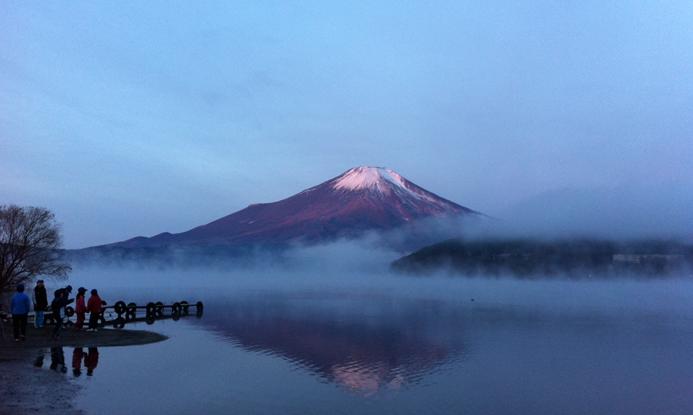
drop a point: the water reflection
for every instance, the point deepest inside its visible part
(38, 362)
(77, 358)
(90, 360)
(361, 345)
(58, 359)
(348, 352)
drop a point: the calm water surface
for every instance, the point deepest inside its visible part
(420, 350)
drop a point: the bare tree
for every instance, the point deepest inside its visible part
(29, 243)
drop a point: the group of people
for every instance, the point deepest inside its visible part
(21, 305)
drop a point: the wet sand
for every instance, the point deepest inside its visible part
(28, 390)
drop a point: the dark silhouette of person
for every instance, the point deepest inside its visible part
(91, 360)
(77, 356)
(40, 303)
(68, 292)
(57, 307)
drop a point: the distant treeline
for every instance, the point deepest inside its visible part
(577, 258)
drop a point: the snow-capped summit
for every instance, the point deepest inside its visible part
(360, 199)
(366, 177)
(387, 182)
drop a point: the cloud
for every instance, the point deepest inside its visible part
(663, 210)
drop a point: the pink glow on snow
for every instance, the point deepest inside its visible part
(382, 180)
(365, 177)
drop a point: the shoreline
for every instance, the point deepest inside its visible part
(30, 390)
(105, 337)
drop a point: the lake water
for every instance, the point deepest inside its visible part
(383, 344)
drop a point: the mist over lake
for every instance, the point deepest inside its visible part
(316, 342)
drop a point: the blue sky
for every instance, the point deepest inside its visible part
(133, 118)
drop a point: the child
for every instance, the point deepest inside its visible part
(94, 307)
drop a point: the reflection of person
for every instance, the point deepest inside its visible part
(80, 308)
(77, 356)
(20, 311)
(58, 359)
(94, 307)
(39, 359)
(91, 360)
(40, 303)
(4, 318)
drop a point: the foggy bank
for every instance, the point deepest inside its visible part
(539, 258)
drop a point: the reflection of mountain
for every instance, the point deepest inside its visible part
(342, 341)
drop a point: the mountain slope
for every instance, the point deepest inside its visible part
(361, 199)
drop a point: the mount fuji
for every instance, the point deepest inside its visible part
(359, 200)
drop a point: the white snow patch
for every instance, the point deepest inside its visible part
(380, 179)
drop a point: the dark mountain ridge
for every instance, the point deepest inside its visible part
(577, 258)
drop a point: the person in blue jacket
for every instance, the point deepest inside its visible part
(20, 311)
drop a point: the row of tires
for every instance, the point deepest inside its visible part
(129, 311)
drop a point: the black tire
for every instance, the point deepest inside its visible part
(151, 309)
(185, 307)
(132, 311)
(175, 308)
(150, 319)
(159, 308)
(69, 311)
(130, 316)
(120, 308)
